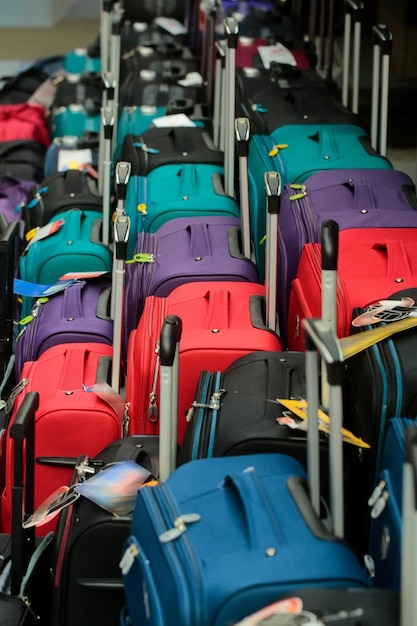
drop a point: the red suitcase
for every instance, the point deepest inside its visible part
(74, 416)
(372, 264)
(221, 321)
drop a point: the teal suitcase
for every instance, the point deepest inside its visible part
(73, 247)
(171, 191)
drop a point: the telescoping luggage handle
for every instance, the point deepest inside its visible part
(7, 268)
(353, 12)
(23, 541)
(242, 131)
(321, 340)
(408, 596)
(382, 47)
(273, 189)
(121, 238)
(231, 28)
(168, 415)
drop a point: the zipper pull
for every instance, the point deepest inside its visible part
(126, 419)
(152, 408)
(145, 148)
(370, 565)
(142, 257)
(276, 148)
(215, 399)
(301, 193)
(259, 108)
(34, 312)
(180, 526)
(26, 601)
(379, 505)
(17, 389)
(37, 198)
(376, 493)
(128, 558)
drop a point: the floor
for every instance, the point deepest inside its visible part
(72, 33)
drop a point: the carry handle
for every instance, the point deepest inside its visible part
(363, 196)
(23, 429)
(382, 48)
(321, 340)
(169, 341)
(71, 306)
(329, 259)
(398, 259)
(199, 240)
(242, 132)
(261, 527)
(354, 10)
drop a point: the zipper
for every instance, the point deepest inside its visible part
(197, 447)
(15, 392)
(172, 531)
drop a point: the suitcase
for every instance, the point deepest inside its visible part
(386, 506)
(386, 253)
(25, 587)
(75, 119)
(407, 601)
(61, 192)
(147, 11)
(184, 250)
(221, 321)
(354, 198)
(192, 523)
(87, 583)
(22, 159)
(73, 415)
(24, 122)
(8, 251)
(72, 245)
(169, 146)
(171, 191)
(14, 193)
(80, 313)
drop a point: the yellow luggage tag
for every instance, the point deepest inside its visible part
(299, 408)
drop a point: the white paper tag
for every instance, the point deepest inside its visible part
(72, 159)
(174, 27)
(178, 119)
(277, 53)
(192, 79)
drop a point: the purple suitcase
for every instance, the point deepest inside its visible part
(14, 193)
(354, 198)
(184, 249)
(80, 313)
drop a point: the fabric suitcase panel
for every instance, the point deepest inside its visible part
(236, 510)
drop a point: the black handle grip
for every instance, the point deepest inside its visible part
(273, 191)
(121, 235)
(25, 416)
(170, 336)
(382, 36)
(231, 28)
(355, 8)
(242, 131)
(329, 245)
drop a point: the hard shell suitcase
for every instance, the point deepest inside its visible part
(217, 494)
(355, 198)
(77, 411)
(371, 263)
(60, 192)
(80, 313)
(184, 250)
(168, 146)
(172, 191)
(221, 321)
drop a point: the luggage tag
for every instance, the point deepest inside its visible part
(171, 25)
(115, 487)
(73, 276)
(35, 290)
(299, 408)
(276, 54)
(51, 506)
(353, 344)
(192, 79)
(386, 311)
(104, 391)
(36, 234)
(73, 159)
(174, 120)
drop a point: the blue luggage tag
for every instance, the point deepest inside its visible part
(35, 290)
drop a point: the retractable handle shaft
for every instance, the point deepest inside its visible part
(329, 258)
(106, 101)
(23, 542)
(273, 206)
(219, 107)
(121, 238)
(321, 340)
(8, 238)
(169, 341)
(382, 48)
(107, 118)
(242, 130)
(354, 10)
(231, 28)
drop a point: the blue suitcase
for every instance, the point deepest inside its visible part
(220, 538)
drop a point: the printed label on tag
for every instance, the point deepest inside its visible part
(172, 26)
(45, 231)
(34, 290)
(277, 53)
(177, 119)
(82, 275)
(72, 159)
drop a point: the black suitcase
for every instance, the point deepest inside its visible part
(87, 583)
